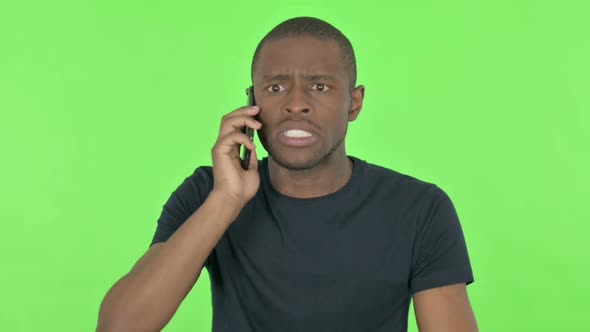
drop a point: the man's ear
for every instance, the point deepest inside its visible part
(358, 94)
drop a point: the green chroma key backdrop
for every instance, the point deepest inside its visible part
(106, 106)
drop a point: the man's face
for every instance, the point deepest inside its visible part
(302, 87)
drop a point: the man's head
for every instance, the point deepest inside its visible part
(304, 73)
(311, 27)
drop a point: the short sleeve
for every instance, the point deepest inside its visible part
(182, 203)
(439, 255)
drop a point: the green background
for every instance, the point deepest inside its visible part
(106, 106)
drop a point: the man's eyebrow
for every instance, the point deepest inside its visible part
(312, 77)
(277, 77)
(320, 77)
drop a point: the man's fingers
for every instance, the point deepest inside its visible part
(227, 144)
(244, 110)
(236, 122)
(253, 160)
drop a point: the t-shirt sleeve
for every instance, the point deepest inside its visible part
(439, 255)
(182, 203)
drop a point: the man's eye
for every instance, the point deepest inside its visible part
(321, 87)
(275, 88)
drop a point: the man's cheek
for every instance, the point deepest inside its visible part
(263, 135)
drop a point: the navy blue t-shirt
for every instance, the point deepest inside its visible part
(346, 261)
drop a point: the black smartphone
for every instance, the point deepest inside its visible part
(248, 131)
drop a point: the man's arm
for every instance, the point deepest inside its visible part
(149, 295)
(443, 309)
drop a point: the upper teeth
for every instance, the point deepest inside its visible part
(297, 133)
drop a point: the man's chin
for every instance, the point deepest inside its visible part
(296, 161)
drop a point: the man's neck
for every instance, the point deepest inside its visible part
(326, 178)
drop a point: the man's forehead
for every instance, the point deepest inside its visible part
(303, 52)
(302, 56)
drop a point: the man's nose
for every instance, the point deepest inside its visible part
(297, 101)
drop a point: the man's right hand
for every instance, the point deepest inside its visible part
(229, 176)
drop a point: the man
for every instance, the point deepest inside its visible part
(308, 239)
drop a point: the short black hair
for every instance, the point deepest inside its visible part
(312, 27)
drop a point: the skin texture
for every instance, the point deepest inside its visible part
(444, 309)
(295, 99)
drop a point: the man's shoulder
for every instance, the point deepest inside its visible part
(383, 175)
(200, 180)
(203, 171)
